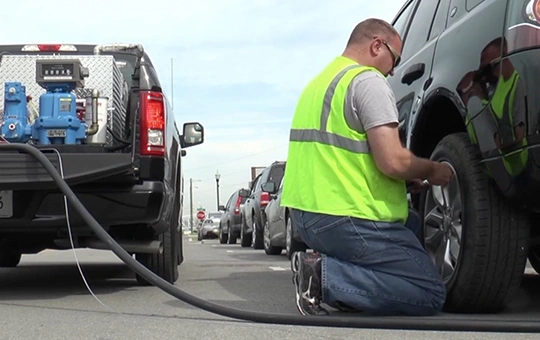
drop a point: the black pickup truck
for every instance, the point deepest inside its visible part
(466, 94)
(133, 187)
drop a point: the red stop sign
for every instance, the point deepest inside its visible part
(201, 215)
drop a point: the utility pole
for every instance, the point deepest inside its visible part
(191, 204)
(218, 176)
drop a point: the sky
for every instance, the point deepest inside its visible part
(238, 66)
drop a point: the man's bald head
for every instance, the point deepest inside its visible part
(375, 43)
(368, 29)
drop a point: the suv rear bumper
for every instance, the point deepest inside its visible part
(42, 211)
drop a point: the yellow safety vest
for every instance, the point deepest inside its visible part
(330, 169)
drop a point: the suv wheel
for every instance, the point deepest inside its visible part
(291, 245)
(245, 239)
(222, 237)
(232, 235)
(268, 248)
(476, 240)
(258, 236)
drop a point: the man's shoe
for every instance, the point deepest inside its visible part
(307, 279)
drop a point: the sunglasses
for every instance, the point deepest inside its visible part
(395, 56)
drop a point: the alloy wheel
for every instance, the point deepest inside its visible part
(266, 236)
(443, 226)
(288, 236)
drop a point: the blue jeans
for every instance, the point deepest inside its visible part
(376, 267)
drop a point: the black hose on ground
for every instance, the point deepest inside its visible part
(410, 323)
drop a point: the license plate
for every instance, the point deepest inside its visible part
(56, 133)
(6, 204)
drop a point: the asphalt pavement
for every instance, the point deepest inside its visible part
(46, 298)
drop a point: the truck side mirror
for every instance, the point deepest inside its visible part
(193, 134)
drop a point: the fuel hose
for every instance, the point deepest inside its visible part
(433, 323)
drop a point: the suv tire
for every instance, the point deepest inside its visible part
(494, 236)
(291, 245)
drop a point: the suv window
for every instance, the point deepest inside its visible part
(276, 174)
(401, 21)
(439, 23)
(417, 34)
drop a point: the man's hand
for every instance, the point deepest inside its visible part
(441, 174)
(416, 186)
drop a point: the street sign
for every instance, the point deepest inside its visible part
(201, 215)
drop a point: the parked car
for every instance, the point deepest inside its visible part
(231, 221)
(461, 91)
(251, 232)
(209, 228)
(279, 232)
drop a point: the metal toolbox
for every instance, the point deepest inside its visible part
(105, 76)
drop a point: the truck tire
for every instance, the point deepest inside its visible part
(165, 265)
(534, 258)
(493, 254)
(10, 254)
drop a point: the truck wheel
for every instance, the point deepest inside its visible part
(476, 240)
(268, 248)
(534, 258)
(10, 255)
(292, 245)
(165, 265)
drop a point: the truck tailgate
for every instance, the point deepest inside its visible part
(19, 171)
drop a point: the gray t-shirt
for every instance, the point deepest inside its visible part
(370, 102)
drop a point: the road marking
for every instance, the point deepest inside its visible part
(278, 269)
(230, 251)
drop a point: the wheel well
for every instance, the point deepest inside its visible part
(438, 119)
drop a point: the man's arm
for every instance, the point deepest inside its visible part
(392, 158)
(376, 113)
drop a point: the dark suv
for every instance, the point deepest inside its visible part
(253, 213)
(461, 91)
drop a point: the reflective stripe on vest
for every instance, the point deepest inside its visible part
(328, 138)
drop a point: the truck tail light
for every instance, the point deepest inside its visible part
(265, 199)
(49, 48)
(152, 124)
